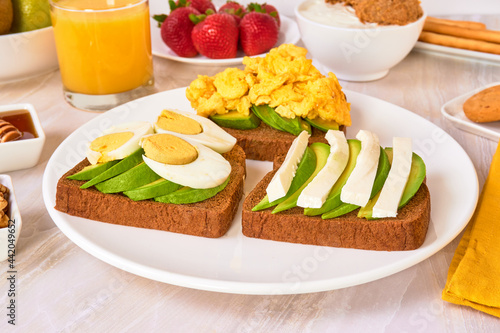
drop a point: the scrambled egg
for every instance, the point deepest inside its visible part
(285, 80)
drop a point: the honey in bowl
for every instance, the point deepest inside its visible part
(16, 121)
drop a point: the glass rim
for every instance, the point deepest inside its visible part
(54, 3)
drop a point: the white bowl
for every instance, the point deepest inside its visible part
(357, 54)
(10, 235)
(21, 154)
(27, 54)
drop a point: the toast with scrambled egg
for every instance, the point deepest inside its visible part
(285, 81)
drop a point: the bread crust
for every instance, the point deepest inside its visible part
(209, 218)
(264, 143)
(405, 232)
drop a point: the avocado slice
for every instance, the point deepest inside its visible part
(415, 180)
(156, 188)
(322, 150)
(343, 209)
(138, 176)
(304, 125)
(263, 113)
(237, 120)
(304, 170)
(91, 171)
(294, 126)
(186, 195)
(382, 172)
(120, 167)
(333, 199)
(323, 125)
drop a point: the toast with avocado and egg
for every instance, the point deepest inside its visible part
(349, 194)
(166, 180)
(266, 105)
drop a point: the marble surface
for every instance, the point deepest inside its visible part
(61, 288)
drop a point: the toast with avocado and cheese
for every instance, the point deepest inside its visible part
(170, 180)
(270, 102)
(350, 194)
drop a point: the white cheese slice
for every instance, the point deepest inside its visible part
(388, 201)
(359, 185)
(315, 194)
(282, 179)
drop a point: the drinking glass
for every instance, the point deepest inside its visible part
(104, 51)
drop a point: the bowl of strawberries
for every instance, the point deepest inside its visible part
(196, 32)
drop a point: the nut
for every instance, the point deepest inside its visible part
(4, 202)
(4, 190)
(4, 221)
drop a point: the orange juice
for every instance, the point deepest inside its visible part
(103, 46)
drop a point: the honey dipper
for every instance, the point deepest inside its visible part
(8, 132)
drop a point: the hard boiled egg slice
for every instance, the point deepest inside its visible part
(195, 128)
(184, 162)
(117, 142)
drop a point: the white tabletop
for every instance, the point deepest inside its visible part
(61, 288)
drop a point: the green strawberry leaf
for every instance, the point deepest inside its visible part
(160, 18)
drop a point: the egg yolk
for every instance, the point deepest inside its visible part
(169, 149)
(172, 121)
(109, 142)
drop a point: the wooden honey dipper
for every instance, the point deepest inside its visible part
(8, 132)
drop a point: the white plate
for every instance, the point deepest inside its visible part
(454, 111)
(289, 34)
(456, 52)
(237, 264)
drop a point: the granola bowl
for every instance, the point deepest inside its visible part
(355, 53)
(10, 234)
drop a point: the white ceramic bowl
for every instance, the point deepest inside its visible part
(357, 54)
(27, 54)
(21, 154)
(8, 242)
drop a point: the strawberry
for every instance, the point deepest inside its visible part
(216, 36)
(258, 33)
(176, 31)
(201, 5)
(234, 9)
(265, 8)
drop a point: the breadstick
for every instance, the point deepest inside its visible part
(479, 34)
(463, 24)
(461, 43)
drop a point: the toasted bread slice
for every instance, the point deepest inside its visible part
(264, 143)
(407, 231)
(209, 218)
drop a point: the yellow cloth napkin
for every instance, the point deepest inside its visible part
(474, 274)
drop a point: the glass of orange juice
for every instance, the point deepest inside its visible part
(104, 51)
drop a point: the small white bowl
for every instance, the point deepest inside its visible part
(357, 54)
(21, 154)
(27, 54)
(7, 242)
